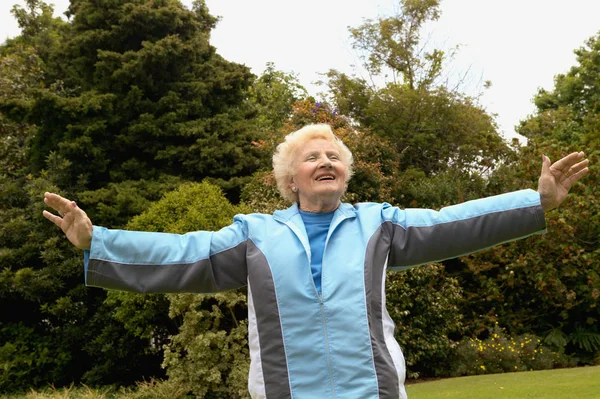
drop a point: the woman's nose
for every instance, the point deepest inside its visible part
(326, 163)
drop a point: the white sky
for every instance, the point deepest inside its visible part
(519, 45)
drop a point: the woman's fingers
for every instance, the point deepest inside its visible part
(567, 170)
(578, 167)
(57, 220)
(576, 174)
(573, 171)
(59, 204)
(564, 164)
(56, 202)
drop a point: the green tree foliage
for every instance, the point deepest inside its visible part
(53, 330)
(112, 109)
(550, 285)
(41, 31)
(19, 72)
(116, 203)
(272, 97)
(579, 89)
(394, 44)
(432, 128)
(205, 338)
(210, 354)
(32, 351)
(143, 92)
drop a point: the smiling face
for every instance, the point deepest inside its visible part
(320, 176)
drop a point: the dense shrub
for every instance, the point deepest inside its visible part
(208, 354)
(424, 302)
(501, 353)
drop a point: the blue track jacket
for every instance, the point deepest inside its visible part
(339, 344)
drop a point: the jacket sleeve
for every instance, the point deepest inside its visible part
(196, 262)
(423, 236)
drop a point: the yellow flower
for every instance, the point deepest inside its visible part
(482, 367)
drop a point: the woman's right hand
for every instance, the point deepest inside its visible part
(72, 220)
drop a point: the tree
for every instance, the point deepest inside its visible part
(550, 285)
(53, 330)
(143, 92)
(579, 89)
(40, 31)
(272, 96)
(31, 350)
(393, 44)
(424, 302)
(433, 128)
(19, 72)
(113, 109)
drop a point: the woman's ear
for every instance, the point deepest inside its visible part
(292, 185)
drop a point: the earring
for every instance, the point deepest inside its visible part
(294, 189)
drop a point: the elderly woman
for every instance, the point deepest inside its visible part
(318, 325)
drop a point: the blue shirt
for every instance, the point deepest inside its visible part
(317, 226)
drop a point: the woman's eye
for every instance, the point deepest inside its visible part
(334, 157)
(311, 158)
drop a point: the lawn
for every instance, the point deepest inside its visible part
(575, 383)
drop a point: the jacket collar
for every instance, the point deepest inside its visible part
(343, 211)
(291, 217)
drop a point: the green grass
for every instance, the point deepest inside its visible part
(145, 390)
(575, 383)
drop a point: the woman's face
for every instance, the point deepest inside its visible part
(320, 175)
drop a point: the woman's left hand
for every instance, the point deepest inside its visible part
(71, 219)
(557, 178)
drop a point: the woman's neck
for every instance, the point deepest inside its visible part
(319, 207)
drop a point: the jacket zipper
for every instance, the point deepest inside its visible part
(322, 306)
(323, 321)
(326, 343)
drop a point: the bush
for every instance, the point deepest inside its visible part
(26, 350)
(423, 302)
(500, 353)
(208, 355)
